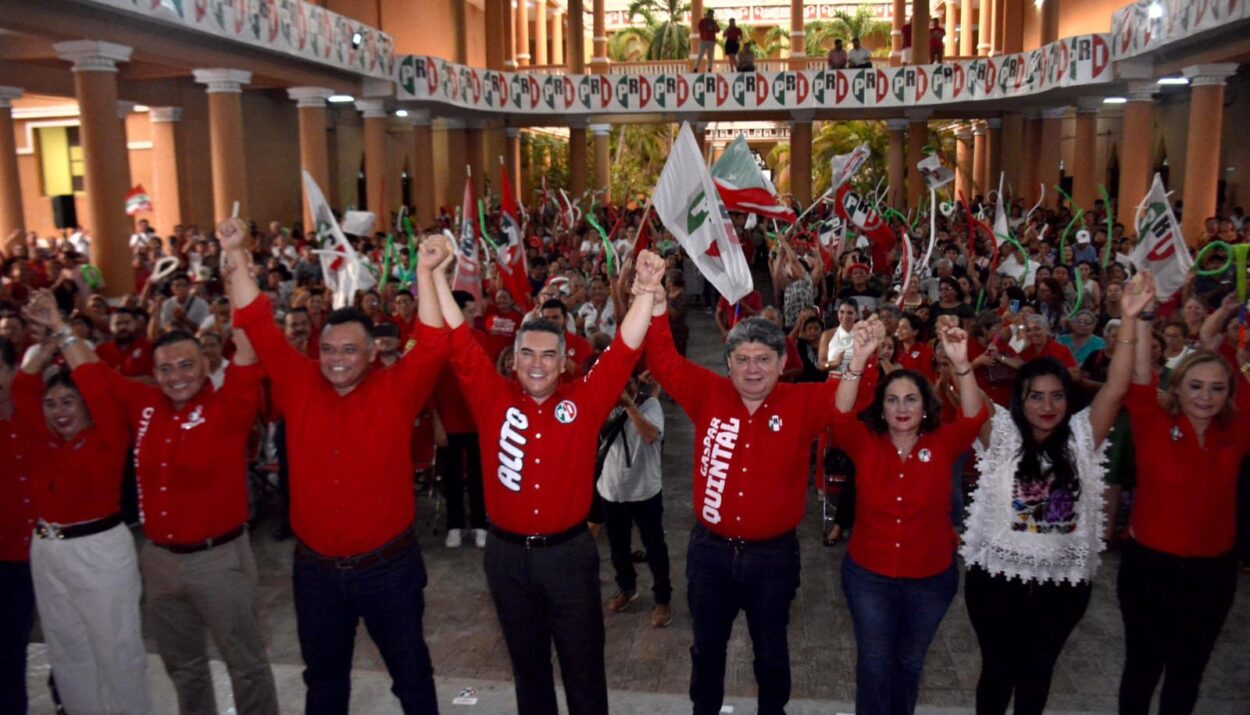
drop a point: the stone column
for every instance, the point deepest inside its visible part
(1011, 154)
(522, 33)
(1084, 182)
(798, 37)
(226, 138)
(1030, 150)
(494, 11)
(801, 157)
(897, 161)
(1135, 151)
(950, 43)
(105, 159)
(540, 32)
(699, 129)
(167, 185)
(1013, 26)
(509, 36)
(920, 32)
(576, 40)
(980, 160)
(1202, 147)
(557, 37)
(1049, 156)
(1049, 21)
(12, 216)
(896, 32)
(376, 172)
(314, 152)
(985, 27)
(577, 159)
(963, 161)
(425, 205)
(917, 138)
(603, 156)
(993, 153)
(966, 46)
(599, 40)
(696, 14)
(512, 159)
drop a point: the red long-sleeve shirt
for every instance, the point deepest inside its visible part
(538, 459)
(1186, 499)
(750, 469)
(191, 462)
(903, 504)
(17, 504)
(79, 479)
(351, 468)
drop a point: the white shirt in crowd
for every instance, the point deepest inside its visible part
(195, 308)
(640, 479)
(862, 56)
(593, 321)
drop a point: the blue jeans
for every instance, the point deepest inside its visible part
(760, 578)
(17, 615)
(388, 596)
(895, 620)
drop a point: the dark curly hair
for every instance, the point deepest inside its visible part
(874, 414)
(1054, 448)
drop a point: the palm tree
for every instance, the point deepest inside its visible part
(666, 23)
(864, 25)
(776, 41)
(819, 36)
(629, 44)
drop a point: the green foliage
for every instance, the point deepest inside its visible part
(862, 24)
(664, 25)
(639, 152)
(536, 150)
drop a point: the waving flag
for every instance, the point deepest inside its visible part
(743, 187)
(343, 269)
(935, 175)
(853, 209)
(137, 200)
(846, 165)
(468, 275)
(1160, 247)
(513, 270)
(687, 202)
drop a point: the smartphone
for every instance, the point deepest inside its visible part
(1015, 307)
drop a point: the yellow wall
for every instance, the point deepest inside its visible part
(1080, 17)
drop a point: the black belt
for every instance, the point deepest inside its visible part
(45, 530)
(204, 545)
(538, 541)
(740, 543)
(390, 550)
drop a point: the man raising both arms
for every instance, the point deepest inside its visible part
(352, 507)
(538, 440)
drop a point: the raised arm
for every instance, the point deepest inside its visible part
(955, 344)
(648, 274)
(1211, 332)
(429, 308)
(451, 313)
(239, 283)
(1142, 372)
(867, 336)
(1106, 405)
(42, 310)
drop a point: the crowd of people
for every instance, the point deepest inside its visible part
(1026, 414)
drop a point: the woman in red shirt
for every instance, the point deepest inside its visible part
(82, 557)
(912, 353)
(1179, 573)
(899, 574)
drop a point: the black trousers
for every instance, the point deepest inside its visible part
(759, 578)
(550, 595)
(1173, 609)
(649, 516)
(17, 615)
(461, 465)
(1018, 656)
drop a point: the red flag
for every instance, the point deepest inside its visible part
(513, 270)
(468, 275)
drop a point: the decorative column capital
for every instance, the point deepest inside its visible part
(223, 81)
(309, 96)
(1088, 105)
(896, 125)
(805, 115)
(1055, 113)
(1212, 75)
(963, 132)
(600, 130)
(419, 117)
(979, 129)
(371, 108)
(915, 116)
(994, 123)
(165, 114)
(512, 132)
(1143, 91)
(7, 95)
(124, 108)
(92, 55)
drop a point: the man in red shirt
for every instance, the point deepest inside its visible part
(198, 568)
(1040, 344)
(349, 431)
(708, 29)
(753, 437)
(128, 352)
(538, 460)
(937, 38)
(577, 350)
(17, 521)
(501, 323)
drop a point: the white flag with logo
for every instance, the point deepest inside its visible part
(935, 175)
(687, 201)
(846, 165)
(342, 268)
(1160, 247)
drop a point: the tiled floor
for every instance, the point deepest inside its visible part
(648, 670)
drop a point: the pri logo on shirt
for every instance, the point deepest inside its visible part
(925, 455)
(566, 412)
(195, 419)
(774, 423)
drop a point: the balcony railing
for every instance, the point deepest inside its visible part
(658, 67)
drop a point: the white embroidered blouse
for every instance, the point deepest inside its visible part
(1035, 533)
